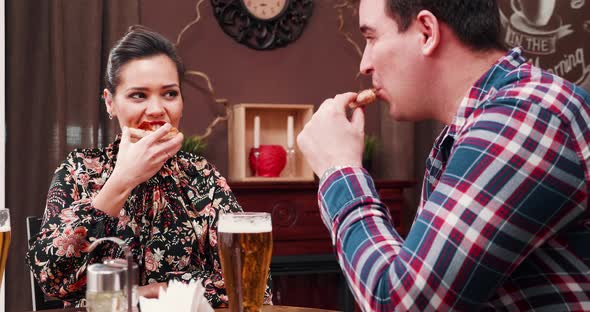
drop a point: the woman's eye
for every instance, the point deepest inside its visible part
(137, 95)
(171, 94)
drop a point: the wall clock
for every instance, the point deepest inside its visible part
(263, 24)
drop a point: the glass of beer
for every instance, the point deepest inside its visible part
(4, 239)
(245, 248)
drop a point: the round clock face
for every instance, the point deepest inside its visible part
(265, 9)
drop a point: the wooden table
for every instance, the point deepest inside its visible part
(266, 308)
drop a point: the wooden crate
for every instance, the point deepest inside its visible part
(273, 130)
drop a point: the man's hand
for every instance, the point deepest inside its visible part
(329, 139)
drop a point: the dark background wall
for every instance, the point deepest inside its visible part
(320, 64)
(56, 53)
(47, 70)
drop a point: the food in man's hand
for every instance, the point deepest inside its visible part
(148, 127)
(364, 98)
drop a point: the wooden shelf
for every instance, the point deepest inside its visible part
(273, 131)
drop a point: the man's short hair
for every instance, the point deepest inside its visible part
(475, 22)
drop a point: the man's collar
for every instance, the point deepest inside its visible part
(485, 87)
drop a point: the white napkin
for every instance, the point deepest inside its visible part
(179, 297)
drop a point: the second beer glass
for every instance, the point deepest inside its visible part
(245, 249)
(4, 239)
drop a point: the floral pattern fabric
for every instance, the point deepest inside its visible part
(169, 222)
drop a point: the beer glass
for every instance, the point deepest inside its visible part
(245, 248)
(4, 238)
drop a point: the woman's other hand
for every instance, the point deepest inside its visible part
(151, 290)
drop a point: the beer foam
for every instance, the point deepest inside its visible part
(237, 225)
(5, 228)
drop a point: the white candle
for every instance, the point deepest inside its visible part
(290, 132)
(256, 131)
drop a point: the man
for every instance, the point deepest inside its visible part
(503, 222)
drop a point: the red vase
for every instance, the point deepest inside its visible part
(271, 161)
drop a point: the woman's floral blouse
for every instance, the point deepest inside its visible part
(169, 221)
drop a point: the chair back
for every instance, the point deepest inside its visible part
(40, 300)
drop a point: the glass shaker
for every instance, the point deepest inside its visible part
(107, 286)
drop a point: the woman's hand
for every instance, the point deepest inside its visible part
(137, 162)
(151, 290)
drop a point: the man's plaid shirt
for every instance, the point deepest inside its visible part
(503, 224)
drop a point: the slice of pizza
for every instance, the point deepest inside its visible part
(147, 127)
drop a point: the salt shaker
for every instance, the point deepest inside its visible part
(107, 283)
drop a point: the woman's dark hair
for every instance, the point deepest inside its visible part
(475, 22)
(139, 42)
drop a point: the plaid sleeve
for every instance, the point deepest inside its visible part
(513, 180)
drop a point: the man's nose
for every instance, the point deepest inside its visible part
(366, 66)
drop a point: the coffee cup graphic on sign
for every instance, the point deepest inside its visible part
(536, 13)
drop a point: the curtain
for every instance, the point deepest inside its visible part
(56, 54)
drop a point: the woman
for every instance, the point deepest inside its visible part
(164, 203)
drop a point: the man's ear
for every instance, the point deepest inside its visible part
(429, 28)
(108, 101)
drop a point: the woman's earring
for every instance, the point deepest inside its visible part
(110, 116)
